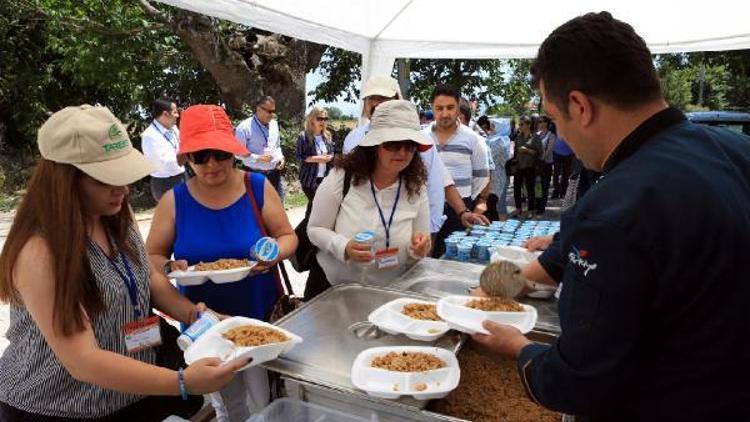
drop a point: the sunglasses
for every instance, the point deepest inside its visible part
(395, 146)
(322, 119)
(202, 156)
(269, 111)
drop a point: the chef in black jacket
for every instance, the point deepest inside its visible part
(655, 305)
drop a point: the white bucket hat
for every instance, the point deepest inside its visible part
(96, 142)
(383, 86)
(396, 120)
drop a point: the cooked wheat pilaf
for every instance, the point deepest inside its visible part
(222, 264)
(408, 362)
(495, 304)
(254, 335)
(423, 311)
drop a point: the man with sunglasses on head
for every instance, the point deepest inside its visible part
(440, 185)
(160, 142)
(260, 135)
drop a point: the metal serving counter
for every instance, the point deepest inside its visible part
(335, 330)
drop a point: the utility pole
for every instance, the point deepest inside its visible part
(701, 84)
(403, 71)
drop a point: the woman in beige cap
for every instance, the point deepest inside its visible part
(75, 270)
(387, 197)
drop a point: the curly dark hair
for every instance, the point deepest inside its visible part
(360, 163)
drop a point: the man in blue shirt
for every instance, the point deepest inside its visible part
(260, 135)
(653, 259)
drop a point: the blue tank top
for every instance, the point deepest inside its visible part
(205, 234)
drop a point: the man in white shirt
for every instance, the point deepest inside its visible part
(160, 142)
(376, 90)
(440, 186)
(464, 154)
(260, 135)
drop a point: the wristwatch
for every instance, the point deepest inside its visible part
(464, 212)
(167, 267)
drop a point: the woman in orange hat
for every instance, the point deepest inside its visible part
(213, 216)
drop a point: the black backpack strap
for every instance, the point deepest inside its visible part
(347, 184)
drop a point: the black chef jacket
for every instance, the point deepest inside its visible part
(655, 305)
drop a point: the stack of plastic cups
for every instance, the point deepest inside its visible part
(451, 246)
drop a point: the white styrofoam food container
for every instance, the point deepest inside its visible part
(212, 344)
(386, 384)
(515, 254)
(460, 317)
(193, 278)
(390, 319)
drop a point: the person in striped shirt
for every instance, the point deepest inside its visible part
(463, 154)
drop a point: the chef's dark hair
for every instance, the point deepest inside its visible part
(599, 56)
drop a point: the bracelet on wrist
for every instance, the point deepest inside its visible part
(181, 380)
(167, 267)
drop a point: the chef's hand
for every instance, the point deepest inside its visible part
(470, 218)
(503, 339)
(538, 243)
(358, 252)
(420, 244)
(208, 375)
(179, 265)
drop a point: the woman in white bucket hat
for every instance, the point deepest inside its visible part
(387, 197)
(84, 343)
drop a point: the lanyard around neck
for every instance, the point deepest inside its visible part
(263, 131)
(387, 227)
(129, 280)
(164, 135)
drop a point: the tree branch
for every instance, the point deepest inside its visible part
(155, 13)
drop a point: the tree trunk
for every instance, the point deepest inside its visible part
(247, 64)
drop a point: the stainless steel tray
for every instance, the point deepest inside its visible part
(335, 330)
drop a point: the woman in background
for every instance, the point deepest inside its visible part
(314, 152)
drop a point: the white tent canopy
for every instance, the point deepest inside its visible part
(383, 30)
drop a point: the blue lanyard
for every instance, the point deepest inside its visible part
(164, 135)
(263, 131)
(387, 227)
(130, 282)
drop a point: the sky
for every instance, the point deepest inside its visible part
(313, 80)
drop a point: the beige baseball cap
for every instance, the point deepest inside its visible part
(396, 120)
(96, 142)
(384, 86)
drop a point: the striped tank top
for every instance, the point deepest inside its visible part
(34, 380)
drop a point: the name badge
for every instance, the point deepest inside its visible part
(386, 258)
(141, 335)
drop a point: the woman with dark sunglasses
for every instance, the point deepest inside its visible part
(387, 197)
(212, 216)
(315, 153)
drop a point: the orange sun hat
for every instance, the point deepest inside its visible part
(205, 126)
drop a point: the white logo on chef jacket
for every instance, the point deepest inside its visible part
(578, 257)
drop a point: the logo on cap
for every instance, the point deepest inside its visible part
(115, 132)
